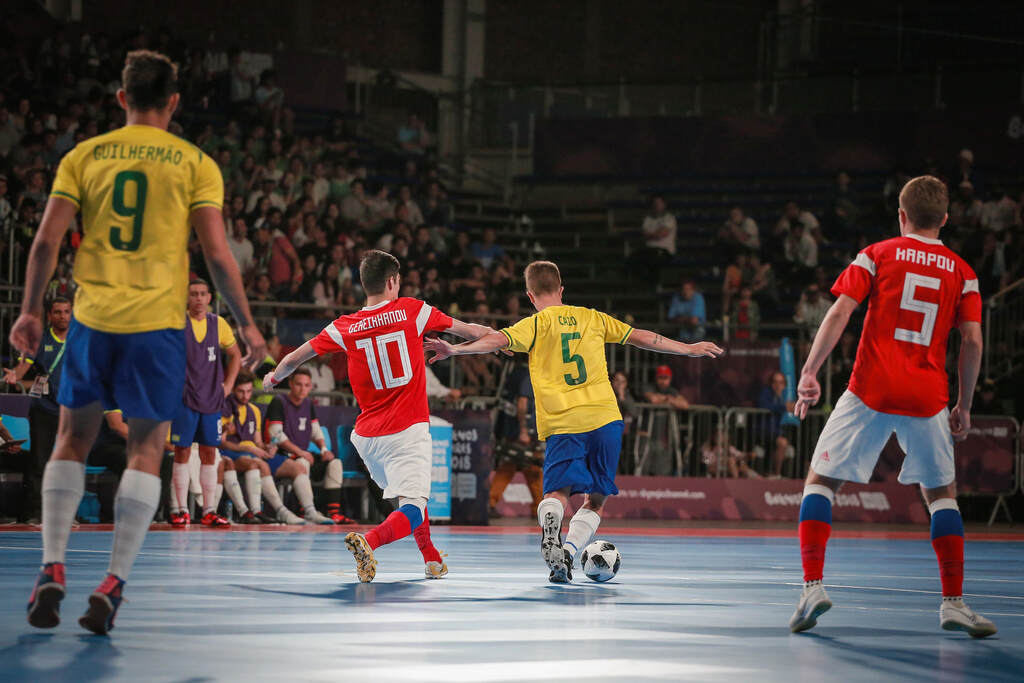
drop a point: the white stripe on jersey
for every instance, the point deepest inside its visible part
(423, 317)
(333, 333)
(971, 286)
(865, 262)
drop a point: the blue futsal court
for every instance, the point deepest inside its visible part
(269, 605)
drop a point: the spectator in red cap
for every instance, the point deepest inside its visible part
(661, 460)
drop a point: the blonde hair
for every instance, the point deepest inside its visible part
(542, 277)
(926, 201)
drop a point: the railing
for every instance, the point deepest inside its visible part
(1004, 330)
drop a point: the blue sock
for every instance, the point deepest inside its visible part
(413, 514)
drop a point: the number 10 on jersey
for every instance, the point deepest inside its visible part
(382, 374)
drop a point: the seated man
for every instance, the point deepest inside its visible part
(242, 442)
(517, 448)
(110, 451)
(13, 458)
(292, 426)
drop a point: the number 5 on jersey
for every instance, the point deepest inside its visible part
(384, 371)
(909, 303)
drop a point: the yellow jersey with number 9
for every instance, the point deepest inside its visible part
(135, 187)
(568, 368)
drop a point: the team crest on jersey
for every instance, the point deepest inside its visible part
(824, 457)
(302, 424)
(212, 351)
(252, 425)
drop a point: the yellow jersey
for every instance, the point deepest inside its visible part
(568, 368)
(135, 188)
(225, 336)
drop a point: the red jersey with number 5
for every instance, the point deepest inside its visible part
(384, 346)
(917, 290)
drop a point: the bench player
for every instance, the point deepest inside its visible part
(383, 343)
(577, 413)
(208, 337)
(917, 291)
(138, 189)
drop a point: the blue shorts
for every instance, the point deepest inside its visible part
(584, 463)
(191, 426)
(275, 463)
(142, 374)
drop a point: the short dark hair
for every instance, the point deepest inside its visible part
(542, 277)
(375, 269)
(199, 281)
(149, 79)
(302, 371)
(926, 201)
(244, 377)
(57, 300)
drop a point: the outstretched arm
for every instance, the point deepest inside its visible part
(288, 365)
(489, 343)
(466, 330)
(808, 390)
(651, 341)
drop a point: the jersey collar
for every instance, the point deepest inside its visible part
(376, 306)
(58, 338)
(926, 240)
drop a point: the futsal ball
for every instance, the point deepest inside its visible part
(600, 561)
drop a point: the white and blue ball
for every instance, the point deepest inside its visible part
(600, 561)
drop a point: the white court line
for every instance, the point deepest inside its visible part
(495, 672)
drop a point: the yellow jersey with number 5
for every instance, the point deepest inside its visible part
(568, 368)
(135, 188)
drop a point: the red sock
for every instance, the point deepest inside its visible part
(950, 551)
(396, 526)
(813, 539)
(422, 535)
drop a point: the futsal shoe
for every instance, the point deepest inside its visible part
(180, 520)
(313, 516)
(286, 516)
(435, 570)
(558, 560)
(366, 565)
(44, 603)
(264, 518)
(339, 518)
(213, 520)
(103, 604)
(954, 615)
(249, 518)
(813, 603)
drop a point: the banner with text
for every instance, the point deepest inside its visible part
(736, 499)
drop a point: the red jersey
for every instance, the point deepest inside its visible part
(919, 290)
(384, 345)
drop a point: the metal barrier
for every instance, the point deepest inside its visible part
(771, 449)
(1004, 330)
(666, 441)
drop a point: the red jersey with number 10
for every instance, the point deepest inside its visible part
(384, 346)
(919, 290)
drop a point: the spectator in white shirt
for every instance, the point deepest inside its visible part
(740, 231)
(268, 188)
(811, 309)
(800, 248)
(792, 215)
(659, 228)
(415, 216)
(240, 246)
(437, 390)
(323, 379)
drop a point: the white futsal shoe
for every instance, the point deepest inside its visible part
(559, 560)
(286, 516)
(813, 603)
(954, 615)
(313, 516)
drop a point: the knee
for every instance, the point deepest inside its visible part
(303, 465)
(264, 468)
(334, 468)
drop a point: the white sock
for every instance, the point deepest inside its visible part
(582, 528)
(252, 489)
(550, 505)
(217, 496)
(208, 482)
(194, 467)
(270, 493)
(234, 490)
(304, 492)
(136, 502)
(179, 485)
(334, 475)
(63, 485)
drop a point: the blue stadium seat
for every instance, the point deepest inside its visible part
(350, 460)
(18, 427)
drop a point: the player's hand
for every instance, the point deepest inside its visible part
(307, 456)
(524, 437)
(808, 391)
(268, 381)
(326, 455)
(27, 333)
(440, 347)
(10, 376)
(227, 390)
(271, 450)
(959, 422)
(256, 345)
(705, 349)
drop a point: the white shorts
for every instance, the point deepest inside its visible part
(855, 435)
(399, 463)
